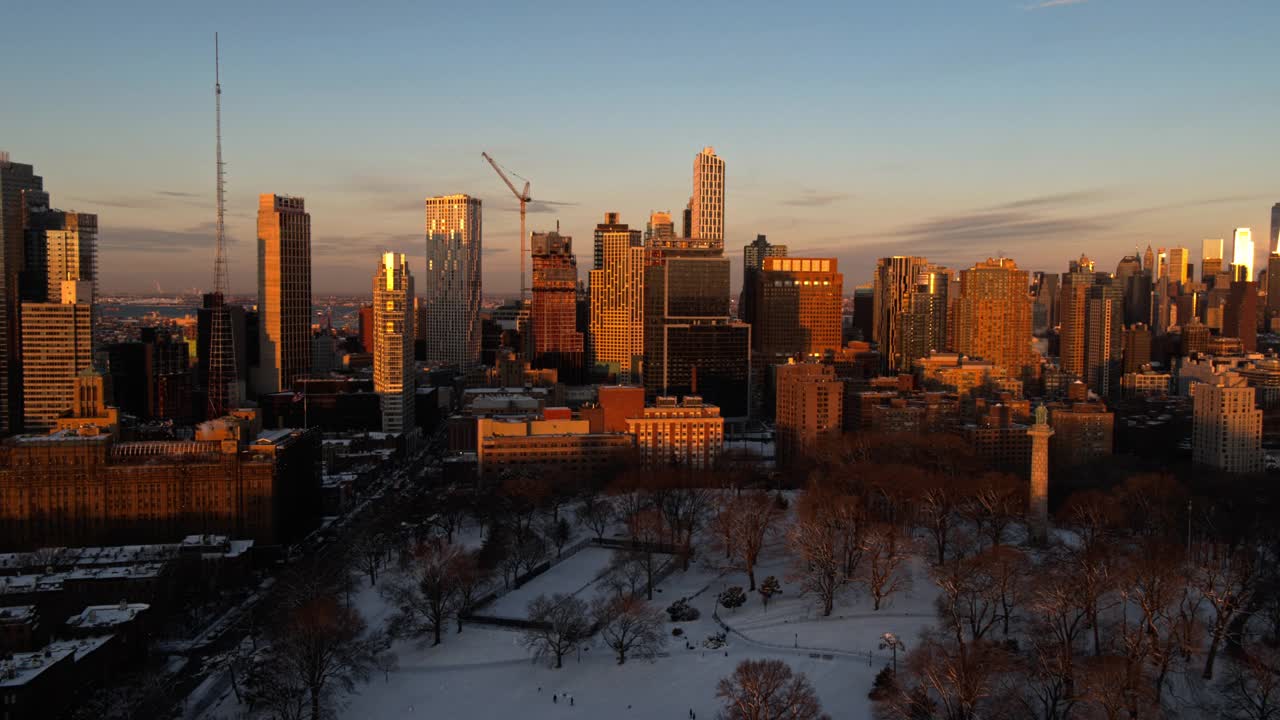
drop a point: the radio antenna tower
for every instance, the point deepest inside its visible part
(223, 382)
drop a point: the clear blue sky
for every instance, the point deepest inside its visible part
(951, 128)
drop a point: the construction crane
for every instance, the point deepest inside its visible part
(523, 197)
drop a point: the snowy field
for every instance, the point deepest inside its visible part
(574, 575)
(485, 673)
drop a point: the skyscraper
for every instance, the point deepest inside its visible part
(1240, 314)
(60, 246)
(1273, 287)
(1137, 347)
(691, 345)
(1104, 337)
(1273, 240)
(1072, 316)
(1210, 258)
(1177, 268)
(1227, 426)
(993, 316)
(57, 344)
(707, 214)
(924, 324)
(895, 281)
(16, 180)
(617, 301)
(393, 368)
(1242, 255)
(799, 308)
(284, 292)
(753, 256)
(556, 340)
(452, 284)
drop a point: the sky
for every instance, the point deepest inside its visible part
(955, 129)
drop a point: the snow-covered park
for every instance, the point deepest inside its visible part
(484, 672)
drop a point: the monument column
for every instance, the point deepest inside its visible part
(1038, 497)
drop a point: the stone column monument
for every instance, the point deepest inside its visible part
(1038, 497)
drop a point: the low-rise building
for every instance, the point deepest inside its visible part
(687, 432)
(1083, 432)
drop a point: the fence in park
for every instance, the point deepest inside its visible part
(477, 617)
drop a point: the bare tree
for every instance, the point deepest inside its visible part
(1226, 578)
(961, 679)
(1252, 687)
(1165, 630)
(724, 522)
(596, 513)
(646, 529)
(1005, 569)
(936, 506)
(882, 573)
(558, 532)
(561, 621)
(451, 512)
(753, 521)
(1114, 686)
(768, 690)
(965, 605)
(816, 566)
(471, 581)
(370, 553)
(627, 573)
(425, 592)
(1058, 624)
(319, 645)
(684, 506)
(996, 503)
(629, 626)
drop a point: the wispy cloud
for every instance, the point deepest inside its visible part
(158, 240)
(151, 201)
(538, 206)
(1053, 4)
(1074, 197)
(810, 198)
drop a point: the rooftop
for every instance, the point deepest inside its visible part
(105, 616)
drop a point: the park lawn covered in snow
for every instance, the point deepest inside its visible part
(486, 673)
(571, 576)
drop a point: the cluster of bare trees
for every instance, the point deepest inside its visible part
(438, 582)
(1124, 616)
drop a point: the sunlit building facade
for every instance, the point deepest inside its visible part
(284, 292)
(451, 286)
(393, 319)
(707, 214)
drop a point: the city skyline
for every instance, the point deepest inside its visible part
(988, 150)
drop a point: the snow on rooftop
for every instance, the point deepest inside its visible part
(17, 613)
(100, 616)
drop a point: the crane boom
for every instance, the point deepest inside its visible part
(524, 199)
(521, 196)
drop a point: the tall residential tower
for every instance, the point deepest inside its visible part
(707, 215)
(451, 288)
(393, 369)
